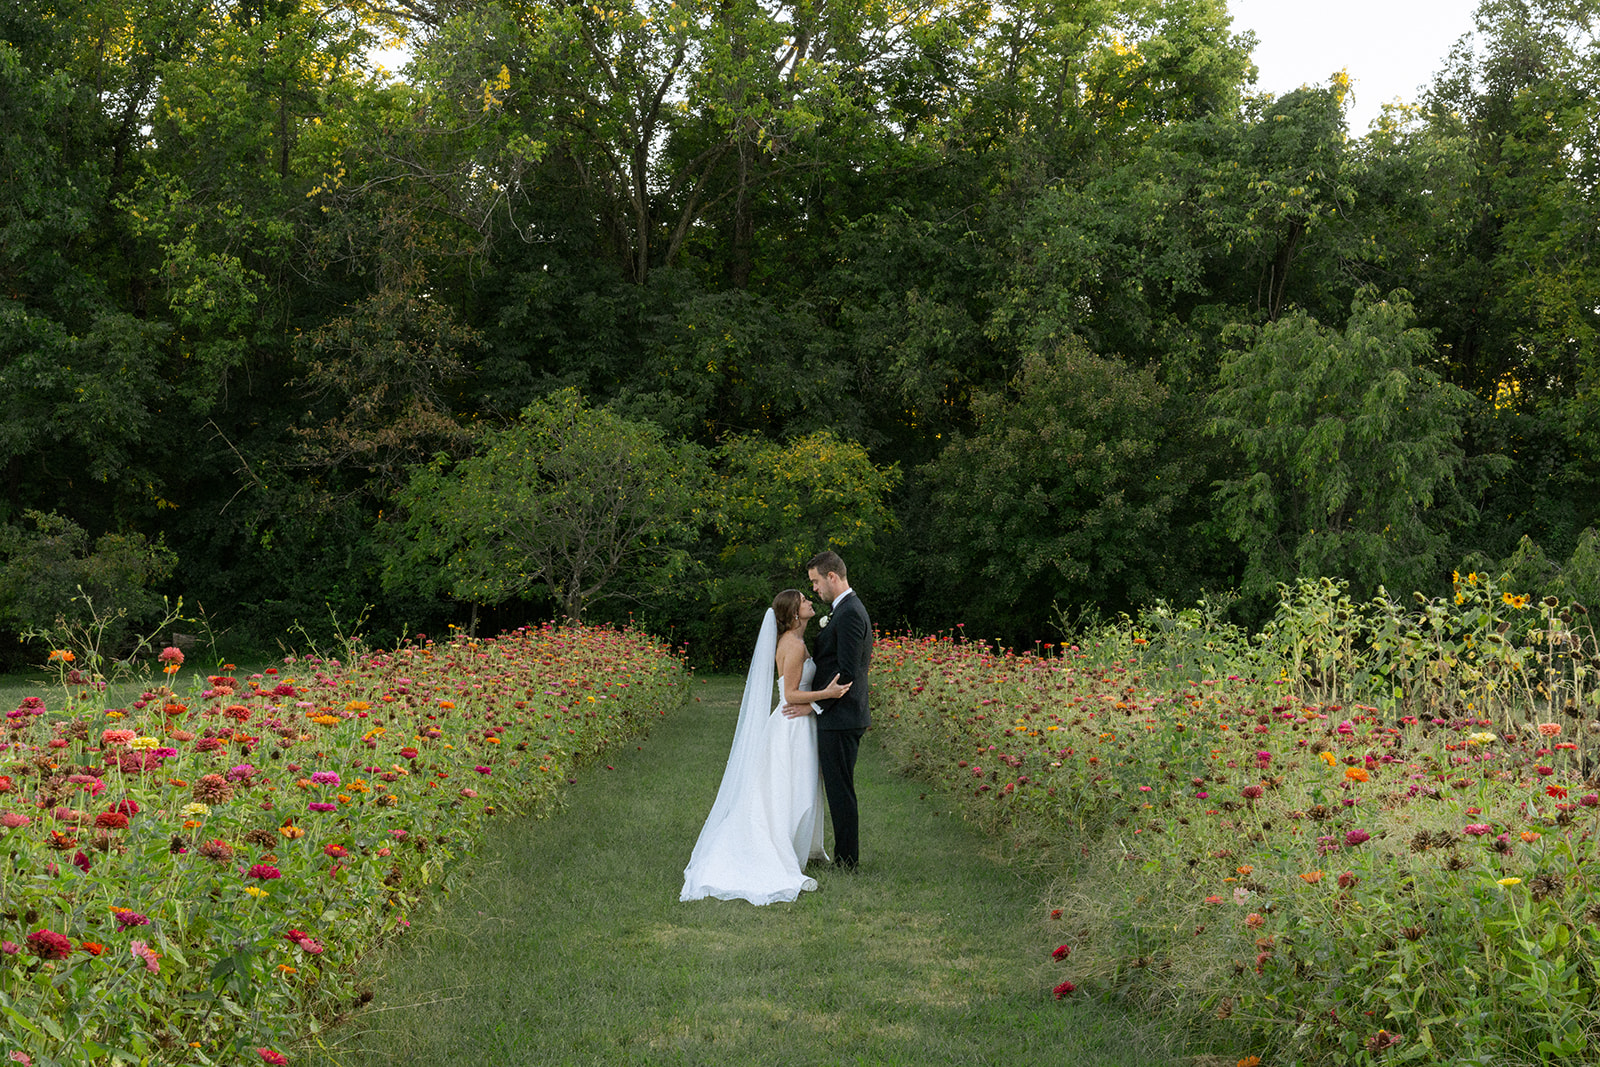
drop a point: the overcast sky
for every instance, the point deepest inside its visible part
(1390, 47)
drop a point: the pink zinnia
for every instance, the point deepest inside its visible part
(1357, 837)
(325, 778)
(12, 820)
(149, 955)
(263, 871)
(271, 1056)
(170, 655)
(1476, 829)
(126, 920)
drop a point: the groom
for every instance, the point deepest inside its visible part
(844, 647)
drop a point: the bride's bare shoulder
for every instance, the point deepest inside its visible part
(790, 645)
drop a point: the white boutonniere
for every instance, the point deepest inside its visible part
(823, 622)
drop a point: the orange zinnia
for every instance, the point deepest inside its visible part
(1356, 774)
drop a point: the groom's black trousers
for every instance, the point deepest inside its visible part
(836, 756)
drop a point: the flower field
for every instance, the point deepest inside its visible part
(195, 877)
(1404, 874)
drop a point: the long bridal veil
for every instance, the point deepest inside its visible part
(744, 757)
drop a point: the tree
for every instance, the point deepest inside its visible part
(1061, 493)
(580, 501)
(780, 504)
(1354, 444)
(52, 573)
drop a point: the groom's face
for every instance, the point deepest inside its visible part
(825, 586)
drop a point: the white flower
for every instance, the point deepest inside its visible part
(823, 621)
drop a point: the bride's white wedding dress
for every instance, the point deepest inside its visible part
(767, 819)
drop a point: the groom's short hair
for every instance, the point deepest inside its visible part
(828, 562)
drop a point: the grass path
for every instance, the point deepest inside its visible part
(569, 945)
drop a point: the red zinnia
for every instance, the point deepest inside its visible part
(49, 945)
(272, 1057)
(111, 820)
(1063, 989)
(1061, 952)
(263, 871)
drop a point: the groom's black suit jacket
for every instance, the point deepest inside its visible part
(844, 647)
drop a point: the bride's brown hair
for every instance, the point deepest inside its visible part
(786, 606)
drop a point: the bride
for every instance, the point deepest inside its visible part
(767, 819)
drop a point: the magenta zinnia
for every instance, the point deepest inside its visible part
(49, 945)
(264, 872)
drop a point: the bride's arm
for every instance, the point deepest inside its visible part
(791, 662)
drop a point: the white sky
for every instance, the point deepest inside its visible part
(1390, 47)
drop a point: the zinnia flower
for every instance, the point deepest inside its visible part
(325, 778)
(271, 1056)
(49, 945)
(1357, 837)
(1064, 989)
(1356, 774)
(127, 918)
(263, 871)
(1550, 729)
(151, 958)
(1061, 952)
(111, 820)
(1476, 829)
(216, 849)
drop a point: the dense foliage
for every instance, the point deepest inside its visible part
(197, 874)
(1049, 269)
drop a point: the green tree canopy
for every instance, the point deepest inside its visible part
(579, 501)
(1352, 449)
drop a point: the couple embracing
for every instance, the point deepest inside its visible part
(766, 822)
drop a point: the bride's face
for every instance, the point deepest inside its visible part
(807, 610)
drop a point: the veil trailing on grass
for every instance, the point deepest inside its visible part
(745, 757)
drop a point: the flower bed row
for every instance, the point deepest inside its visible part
(196, 876)
(1302, 882)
